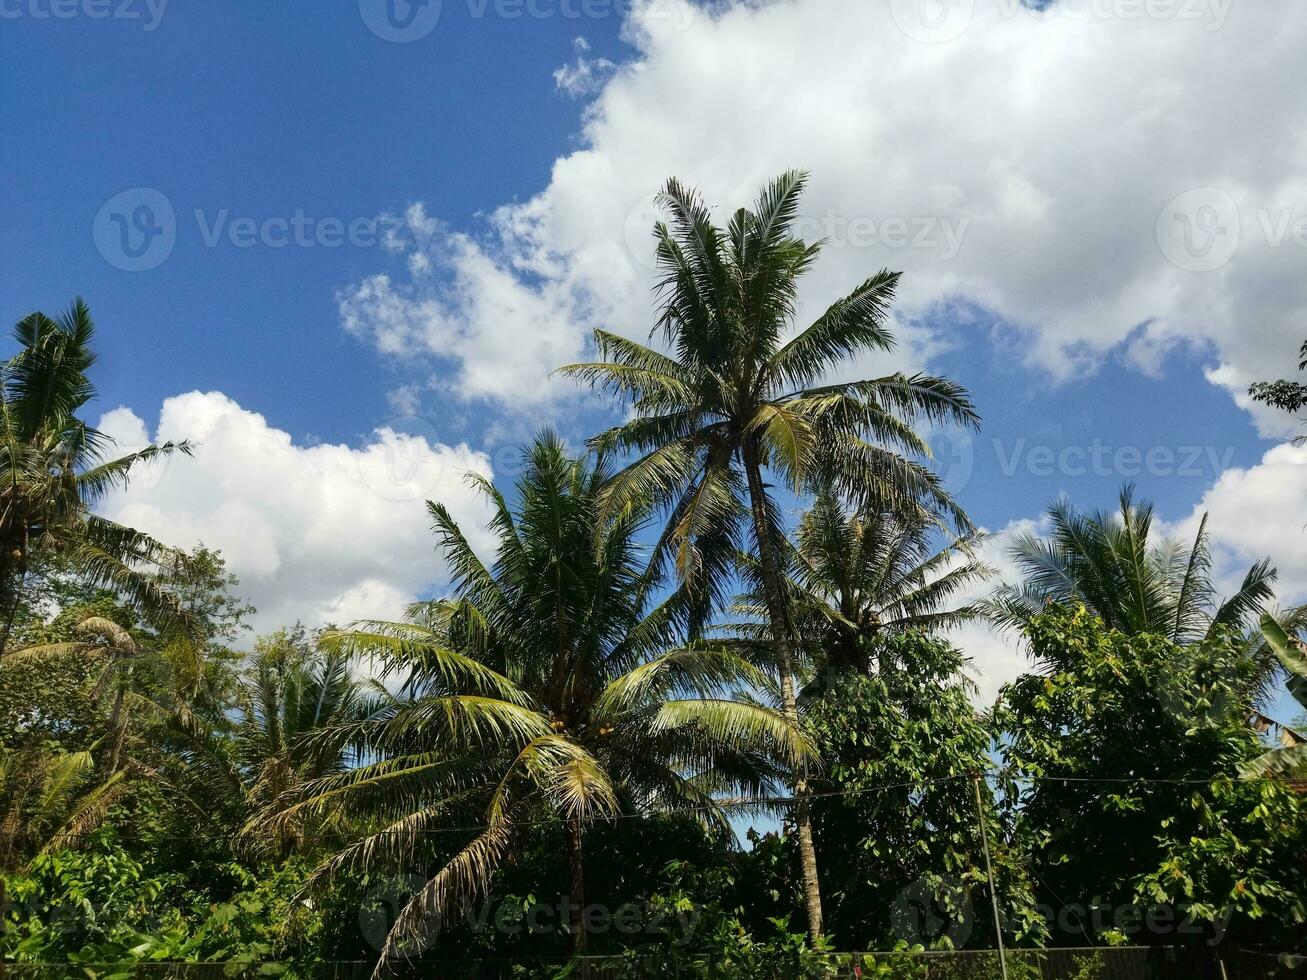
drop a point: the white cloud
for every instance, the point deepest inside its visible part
(406, 399)
(586, 74)
(1056, 143)
(997, 657)
(1256, 513)
(322, 533)
(504, 334)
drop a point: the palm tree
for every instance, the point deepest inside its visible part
(855, 576)
(1134, 581)
(50, 800)
(549, 680)
(294, 705)
(105, 641)
(54, 469)
(733, 399)
(291, 694)
(1291, 757)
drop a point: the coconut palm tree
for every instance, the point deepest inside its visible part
(1290, 758)
(1133, 580)
(549, 681)
(50, 800)
(736, 396)
(290, 694)
(252, 761)
(104, 641)
(54, 468)
(854, 576)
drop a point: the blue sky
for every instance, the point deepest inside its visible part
(260, 109)
(509, 160)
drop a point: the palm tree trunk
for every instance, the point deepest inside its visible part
(576, 896)
(9, 624)
(118, 723)
(781, 637)
(5, 575)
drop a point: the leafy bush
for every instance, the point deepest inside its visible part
(101, 906)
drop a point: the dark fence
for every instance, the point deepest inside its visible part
(1134, 963)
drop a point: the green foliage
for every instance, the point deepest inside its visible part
(103, 906)
(48, 700)
(1132, 745)
(1290, 759)
(1288, 396)
(50, 798)
(902, 745)
(717, 925)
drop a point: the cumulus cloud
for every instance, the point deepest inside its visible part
(1259, 512)
(1089, 172)
(1253, 513)
(997, 656)
(317, 533)
(500, 332)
